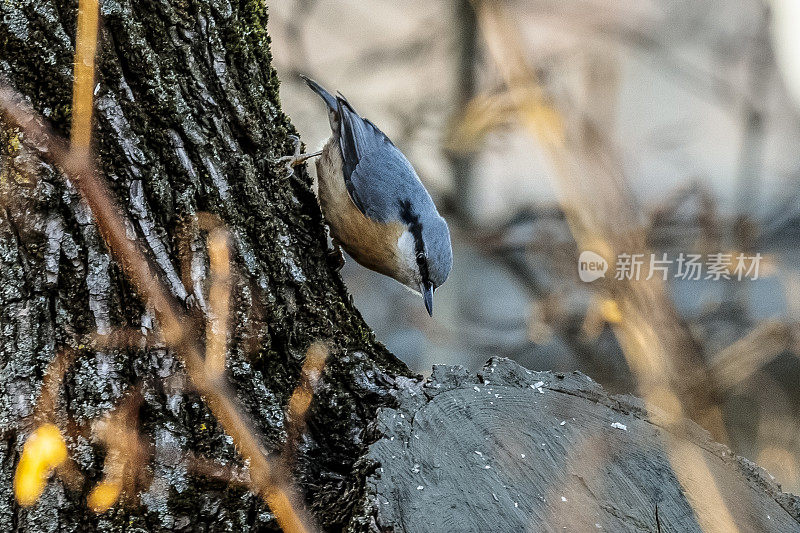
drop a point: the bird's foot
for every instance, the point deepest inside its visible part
(297, 158)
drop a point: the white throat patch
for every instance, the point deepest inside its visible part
(408, 257)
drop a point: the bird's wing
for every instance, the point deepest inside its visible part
(378, 176)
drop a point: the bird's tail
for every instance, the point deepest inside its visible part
(325, 95)
(330, 101)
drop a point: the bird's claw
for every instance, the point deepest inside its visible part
(297, 158)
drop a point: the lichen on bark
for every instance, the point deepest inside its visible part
(187, 120)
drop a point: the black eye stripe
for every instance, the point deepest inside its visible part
(415, 228)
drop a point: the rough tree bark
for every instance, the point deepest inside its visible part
(187, 120)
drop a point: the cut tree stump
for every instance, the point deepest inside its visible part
(514, 450)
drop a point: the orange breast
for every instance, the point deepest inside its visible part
(372, 244)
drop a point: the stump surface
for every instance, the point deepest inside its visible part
(516, 450)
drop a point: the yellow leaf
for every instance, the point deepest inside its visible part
(103, 496)
(47, 444)
(43, 451)
(610, 311)
(29, 481)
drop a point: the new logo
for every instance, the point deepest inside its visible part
(591, 266)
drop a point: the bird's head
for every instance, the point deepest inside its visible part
(425, 254)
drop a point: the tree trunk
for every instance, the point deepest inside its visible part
(187, 120)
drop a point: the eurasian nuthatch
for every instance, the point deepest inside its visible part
(376, 206)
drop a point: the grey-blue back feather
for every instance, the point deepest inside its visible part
(374, 170)
(379, 177)
(383, 181)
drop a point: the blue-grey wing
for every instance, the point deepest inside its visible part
(384, 184)
(378, 176)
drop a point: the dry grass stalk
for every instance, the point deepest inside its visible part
(219, 300)
(666, 409)
(126, 454)
(300, 400)
(600, 210)
(270, 479)
(739, 361)
(83, 85)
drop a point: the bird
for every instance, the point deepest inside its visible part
(375, 205)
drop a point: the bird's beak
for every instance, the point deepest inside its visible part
(427, 295)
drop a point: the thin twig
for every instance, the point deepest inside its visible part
(300, 401)
(219, 299)
(228, 474)
(126, 453)
(51, 386)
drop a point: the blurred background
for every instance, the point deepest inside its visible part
(544, 128)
